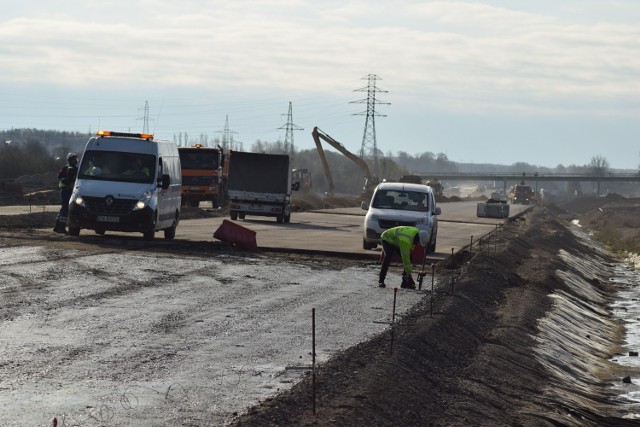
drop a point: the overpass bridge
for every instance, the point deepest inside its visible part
(507, 178)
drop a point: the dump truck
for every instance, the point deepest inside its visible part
(521, 194)
(204, 175)
(260, 185)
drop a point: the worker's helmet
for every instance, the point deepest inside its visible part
(423, 236)
(71, 156)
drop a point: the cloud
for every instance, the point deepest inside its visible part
(459, 55)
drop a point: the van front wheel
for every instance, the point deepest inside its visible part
(151, 232)
(170, 233)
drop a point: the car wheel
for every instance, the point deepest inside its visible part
(368, 246)
(432, 246)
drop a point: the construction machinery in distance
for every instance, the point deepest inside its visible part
(521, 194)
(303, 176)
(370, 181)
(436, 185)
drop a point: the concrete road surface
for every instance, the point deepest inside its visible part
(330, 231)
(340, 230)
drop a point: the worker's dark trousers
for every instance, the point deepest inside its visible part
(389, 250)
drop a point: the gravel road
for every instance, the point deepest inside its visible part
(133, 338)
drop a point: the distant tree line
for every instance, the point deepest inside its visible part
(33, 151)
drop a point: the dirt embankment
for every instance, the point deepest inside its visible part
(479, 358)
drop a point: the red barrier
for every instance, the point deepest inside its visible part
(230, 232)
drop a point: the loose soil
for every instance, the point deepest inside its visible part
(476, 354)
(473, 360)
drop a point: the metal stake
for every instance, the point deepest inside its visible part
(313, 358)
(393, 318)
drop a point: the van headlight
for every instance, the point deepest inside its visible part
(77, 199)
(144, 200)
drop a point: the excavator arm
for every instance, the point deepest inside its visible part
(317, 136)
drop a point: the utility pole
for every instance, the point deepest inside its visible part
(369, 144)
(290, 127)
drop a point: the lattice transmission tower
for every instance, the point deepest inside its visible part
(289, 148)
(369, 144)
(228, 142)
(145, 118)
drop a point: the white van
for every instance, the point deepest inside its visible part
(127, 182)
(397, 203)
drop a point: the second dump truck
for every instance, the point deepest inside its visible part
(260, 185)
(204, 177)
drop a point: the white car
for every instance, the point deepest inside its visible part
(396, 203)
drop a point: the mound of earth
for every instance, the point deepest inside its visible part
(470, 361)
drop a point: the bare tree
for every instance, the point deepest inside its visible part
(599, 165)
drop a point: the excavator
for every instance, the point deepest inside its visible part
(369, 180)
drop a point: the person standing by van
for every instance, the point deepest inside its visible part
(402, 241)
(66, 180)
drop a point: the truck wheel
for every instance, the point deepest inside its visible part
(279, 219)
(149, 235)
(287, 218)
(241, 215)
(100, 231)
(74, 231)
(368, 246)
(233, 215)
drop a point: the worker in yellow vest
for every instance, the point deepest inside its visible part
(401, 240)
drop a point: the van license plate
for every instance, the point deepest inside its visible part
(103, 218)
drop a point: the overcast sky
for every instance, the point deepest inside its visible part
(546, 82)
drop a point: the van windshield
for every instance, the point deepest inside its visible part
(117, 166)
(401, 200)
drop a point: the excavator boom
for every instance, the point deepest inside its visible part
(317, 136)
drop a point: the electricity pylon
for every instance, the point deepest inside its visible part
(288, 138)
(145, 118)
(369, 144)
(227, 137)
